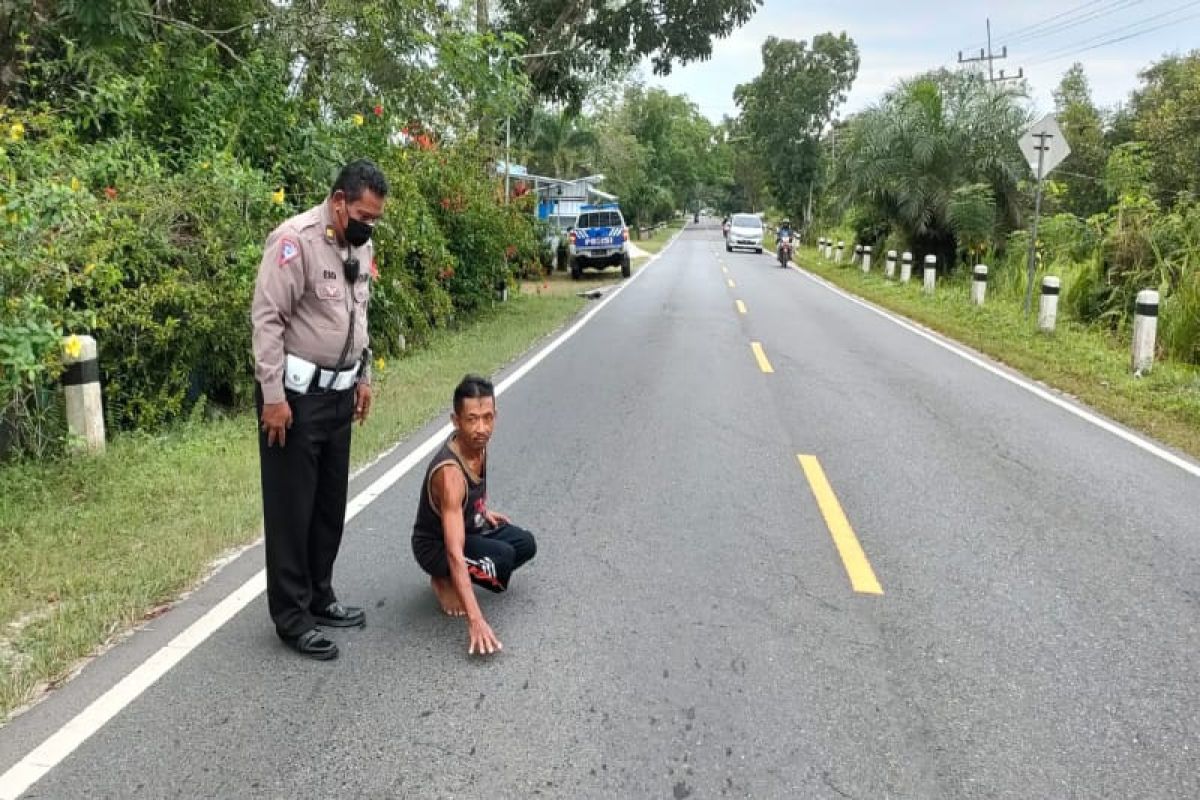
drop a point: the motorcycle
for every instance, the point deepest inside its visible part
(784, 250)
(725, 229)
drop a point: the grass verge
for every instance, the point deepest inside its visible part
(1083, 361)
(90, 547)
(658, 240)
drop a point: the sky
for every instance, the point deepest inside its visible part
(899, 39)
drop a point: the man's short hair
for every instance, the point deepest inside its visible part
(359, 176)
(472, 387)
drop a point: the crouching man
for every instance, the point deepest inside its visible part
(457, 539)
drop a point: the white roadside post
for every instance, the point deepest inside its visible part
(858, 252)
(906, 268)
(821, 245)
(1048, 309)
(81, 384)
(841, 248)
(979, 284)
(1145, 326)
(889, 267)
(930, 273)
(866, 262)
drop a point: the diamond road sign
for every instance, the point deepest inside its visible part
(1045, 138)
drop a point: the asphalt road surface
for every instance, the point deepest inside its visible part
(961, 590)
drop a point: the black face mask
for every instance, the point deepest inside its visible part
(358, 232)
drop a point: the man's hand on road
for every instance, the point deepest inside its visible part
(362, 402)
(276, 419)
(483, 641)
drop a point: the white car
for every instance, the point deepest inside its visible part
(745, 230)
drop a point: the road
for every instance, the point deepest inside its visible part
(690, 627)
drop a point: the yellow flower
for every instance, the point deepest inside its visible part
(89, 268)
(380, 363)
(76, 185)
(16, 132)
(357, 119)
(203, 165)
(12, 217)
(277, 196)
(72, 347)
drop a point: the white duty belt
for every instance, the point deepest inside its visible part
(303, 376)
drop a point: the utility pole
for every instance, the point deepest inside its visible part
(990, 57)
(481, 16)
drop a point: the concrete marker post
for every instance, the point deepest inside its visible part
(906, 267)
(858, 252)
(866, 262)
(841, 248)
(81, 385)
(1145, 327)
(930, 273)
(979, 284)
(1048, 307)
(889, 266)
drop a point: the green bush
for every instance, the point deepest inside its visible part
(157, 260)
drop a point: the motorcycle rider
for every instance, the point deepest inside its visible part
(781, 233)
(785, 229)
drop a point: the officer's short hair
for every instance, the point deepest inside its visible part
(359, 176)
(472, 386)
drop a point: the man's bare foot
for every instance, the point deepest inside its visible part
(447, 597)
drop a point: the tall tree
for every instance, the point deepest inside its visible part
(559, 142)
(1167, 113)
(597, 39)
(786, 107)
(1083, 171)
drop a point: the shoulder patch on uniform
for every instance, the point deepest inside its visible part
(288, 249)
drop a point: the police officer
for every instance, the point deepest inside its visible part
(312, 366)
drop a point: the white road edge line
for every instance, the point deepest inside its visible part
(47, 755)
(1100, 422)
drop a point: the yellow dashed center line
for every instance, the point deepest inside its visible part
(741, 307)
(731, 283)
(761, 357)
(862, 577)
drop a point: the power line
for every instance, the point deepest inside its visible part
(1059, 15)
(1073, 22)
(1135, 30)
(1070, 13)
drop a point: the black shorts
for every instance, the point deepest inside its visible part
(491, 556)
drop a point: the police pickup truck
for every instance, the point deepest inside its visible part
(598, 239)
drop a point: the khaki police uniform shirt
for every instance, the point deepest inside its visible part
(302, 302)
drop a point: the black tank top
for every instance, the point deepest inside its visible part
(428, 526)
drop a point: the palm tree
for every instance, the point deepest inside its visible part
(559, 141)
(937, 161)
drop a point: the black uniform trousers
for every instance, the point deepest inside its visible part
(304, 486)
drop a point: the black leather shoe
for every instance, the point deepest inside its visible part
(336, 615)
(312, 643)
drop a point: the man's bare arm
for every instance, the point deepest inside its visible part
(449, 493)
